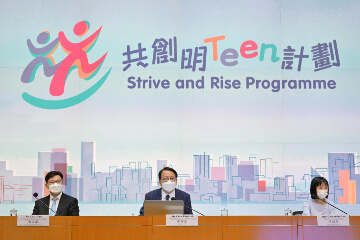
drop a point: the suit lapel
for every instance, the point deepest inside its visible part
(158, 195)
(177, 194)
(62, 203)
(45, 208)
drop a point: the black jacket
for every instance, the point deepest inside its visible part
(68, 206)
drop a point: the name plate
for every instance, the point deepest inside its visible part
(33, 221)
(180, 220)
(333, 220)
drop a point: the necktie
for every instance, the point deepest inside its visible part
(53, 207)
(167, 197)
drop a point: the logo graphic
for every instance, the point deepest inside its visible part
(76, 58)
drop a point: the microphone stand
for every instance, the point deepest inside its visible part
(194, 210)
(35, 196)
(333, 206)
(188, 207)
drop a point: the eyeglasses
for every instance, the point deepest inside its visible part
(52, 182)
(165, 179)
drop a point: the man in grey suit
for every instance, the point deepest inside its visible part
(168, 191)
(60, 203)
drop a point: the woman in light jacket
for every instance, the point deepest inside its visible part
(316, 204)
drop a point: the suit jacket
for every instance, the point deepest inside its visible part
(179, 195)
(68, 206)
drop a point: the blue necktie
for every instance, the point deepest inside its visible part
(53, 207)
(167, 197)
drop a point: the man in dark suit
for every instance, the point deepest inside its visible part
(60, 203)
(168, 181)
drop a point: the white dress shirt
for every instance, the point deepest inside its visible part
(57, 201)
(163, 195)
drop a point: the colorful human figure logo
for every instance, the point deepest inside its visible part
(43, 57)
(76, 58)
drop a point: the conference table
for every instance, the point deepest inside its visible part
(154, 227)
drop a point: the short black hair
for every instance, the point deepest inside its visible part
(167, 169)
(53, 174)
(317, 181)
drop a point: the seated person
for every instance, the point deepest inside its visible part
(168, 181)
(59, 202)
(319, 189)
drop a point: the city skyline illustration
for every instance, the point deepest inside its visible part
(232, 181)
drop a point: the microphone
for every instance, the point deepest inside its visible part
(35, 196)
(314, 196)
(172, 199)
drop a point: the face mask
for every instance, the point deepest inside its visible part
(55, 188)
(322, 193)
(168, 186)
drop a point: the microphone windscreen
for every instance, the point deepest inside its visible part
(172, 199)
(35, 194)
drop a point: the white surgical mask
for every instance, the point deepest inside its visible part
(168, 186)
(55, 188)
(322, 194)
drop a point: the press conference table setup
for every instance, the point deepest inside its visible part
(154, 227)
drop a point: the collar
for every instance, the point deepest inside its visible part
(163, 194)
(58, 196)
